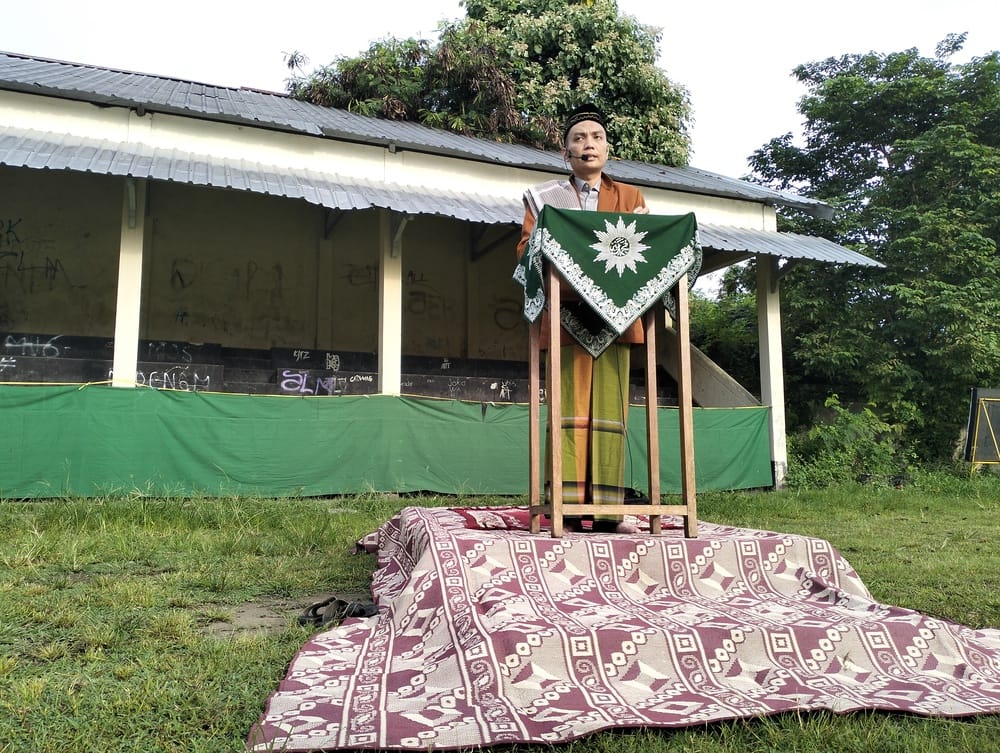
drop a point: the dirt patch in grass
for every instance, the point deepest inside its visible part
(272, 615)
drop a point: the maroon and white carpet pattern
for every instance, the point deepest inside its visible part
(491, 635)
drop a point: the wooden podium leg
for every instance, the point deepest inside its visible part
(652, 419)
(554, 395)
(534, 419)
(686, 417)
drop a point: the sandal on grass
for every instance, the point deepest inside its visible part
(334, 611)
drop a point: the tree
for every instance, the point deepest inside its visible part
(511, 70)
(725, 330)
(908, 150)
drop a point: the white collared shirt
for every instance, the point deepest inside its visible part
(588, 194)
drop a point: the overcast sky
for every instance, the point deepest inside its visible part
(735, 57)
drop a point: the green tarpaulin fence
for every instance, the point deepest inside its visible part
(95, 440)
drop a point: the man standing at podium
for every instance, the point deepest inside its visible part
(594, 390)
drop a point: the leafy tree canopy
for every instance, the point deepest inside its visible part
(511, 70)
(908, 149)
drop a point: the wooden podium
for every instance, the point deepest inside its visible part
(554, 506)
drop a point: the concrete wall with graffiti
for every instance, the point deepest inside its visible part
(59, 241)
(245, 271)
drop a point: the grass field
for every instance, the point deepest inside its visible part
(138, 624)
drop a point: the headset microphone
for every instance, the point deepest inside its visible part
(582, 157)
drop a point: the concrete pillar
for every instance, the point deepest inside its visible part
(772, 385)
(390, 302)
(128, 309)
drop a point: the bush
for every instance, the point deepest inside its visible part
(852, 446)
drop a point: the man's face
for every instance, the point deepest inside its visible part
(587, 146)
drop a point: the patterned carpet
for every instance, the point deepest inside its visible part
(488, 635)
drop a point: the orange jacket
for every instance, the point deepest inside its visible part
(613, 197)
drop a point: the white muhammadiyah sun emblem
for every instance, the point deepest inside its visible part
(620, 246)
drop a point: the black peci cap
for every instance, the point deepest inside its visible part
(582, 113)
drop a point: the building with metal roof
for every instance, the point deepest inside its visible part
(355, 210)
(145, 93)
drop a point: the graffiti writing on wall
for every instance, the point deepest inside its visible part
(508, 313)
(183, 274)
(172, 378)
(29, 263)
(312, 360)
(35, 347)
(30, 275)
(168, 351)
(305, 383)
(504, 390)
(360, 275)
(8, 231)
(250, 281)
(456, 386)
(430, 305)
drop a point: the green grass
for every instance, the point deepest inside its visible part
(106, 605)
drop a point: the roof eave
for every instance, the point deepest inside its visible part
(520, 156)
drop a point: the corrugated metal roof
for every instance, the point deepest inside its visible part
(49, 151)
(784, 245)
(278, 111)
